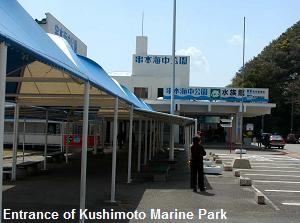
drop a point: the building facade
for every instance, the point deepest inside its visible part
(151, 73)
(151, 80)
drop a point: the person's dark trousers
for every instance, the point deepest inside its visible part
(197, 175)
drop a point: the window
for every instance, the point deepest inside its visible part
(160, 92)
(141, 92)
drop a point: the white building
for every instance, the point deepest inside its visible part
(151, 73)
(151, 80)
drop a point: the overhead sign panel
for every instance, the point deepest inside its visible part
(258, 95)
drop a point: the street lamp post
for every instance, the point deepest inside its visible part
(242, 163)
(172, 104)
(292, 77)
(173, 59)
(242, 112)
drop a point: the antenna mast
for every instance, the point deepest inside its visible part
(143, 24)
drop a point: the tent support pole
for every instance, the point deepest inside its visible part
(150, 140)
(130, 144)
(46, 141)
(3, 61)
(162, 136)
(67, 142)
(114, 153)
(103, 133)
(186, 141)
(95, 133)
(15, 142)
(84, 146)
(62, 137)
(24, 137)
(171, 152)
(146, 142)
(154, 139)
(139, 146)
(158, 135)
(190, 133)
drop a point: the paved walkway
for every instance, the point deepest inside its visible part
(224, 195)
(58, 190)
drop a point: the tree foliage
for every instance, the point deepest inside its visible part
(275, 68)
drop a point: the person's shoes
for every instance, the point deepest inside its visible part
(195, 190)
(203, 189)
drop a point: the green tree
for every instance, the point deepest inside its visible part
(273, 69)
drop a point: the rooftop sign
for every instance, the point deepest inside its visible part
(257, 95)
(160, 59)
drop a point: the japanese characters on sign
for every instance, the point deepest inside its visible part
(155, 59)
(219, 94)
(67, 36)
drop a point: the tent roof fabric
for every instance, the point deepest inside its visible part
(24, 36)
(19, 30)
(96, 74)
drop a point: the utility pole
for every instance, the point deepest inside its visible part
(293, 76)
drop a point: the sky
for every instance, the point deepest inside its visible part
(210, 31)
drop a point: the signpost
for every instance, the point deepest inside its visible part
(227, 123)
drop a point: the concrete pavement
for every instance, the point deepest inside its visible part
(58, 190)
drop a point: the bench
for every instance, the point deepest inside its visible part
(6, 173)
(164, 161)
(31, 167)
(160, 172)
(56, 156)
(153, 172)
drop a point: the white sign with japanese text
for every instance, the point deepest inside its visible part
(219, 94)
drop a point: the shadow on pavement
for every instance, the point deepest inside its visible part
(58, 189)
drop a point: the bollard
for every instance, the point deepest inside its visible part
(259, 198)
(227, 167)
(236, 173)
(244, 181)
(218, 161)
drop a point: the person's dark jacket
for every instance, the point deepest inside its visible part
(197, 153)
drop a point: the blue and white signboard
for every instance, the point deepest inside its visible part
(260, 95)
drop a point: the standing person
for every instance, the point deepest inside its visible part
(259, 139)
(196, 163)
(120, 138)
